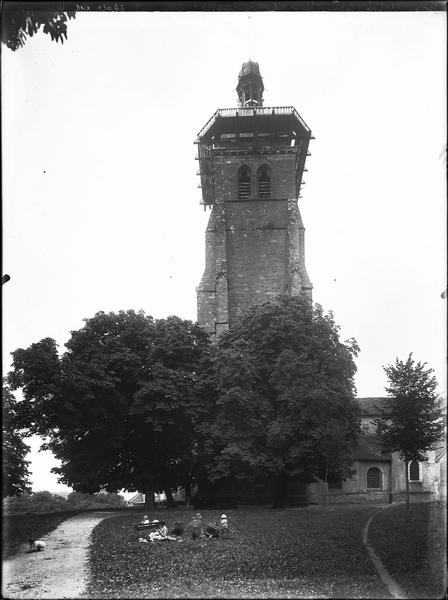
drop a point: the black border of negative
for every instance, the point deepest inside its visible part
(230, 5)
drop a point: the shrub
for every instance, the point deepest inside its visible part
(79, 500)
(39, 502)
(46, 502)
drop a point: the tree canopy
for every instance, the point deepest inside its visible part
(117, 408)
(411, 423)
(140, 404)
(280, 389)
(15, 473)
(23, 20)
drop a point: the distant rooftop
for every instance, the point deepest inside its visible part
(368, 448)
(372, 406)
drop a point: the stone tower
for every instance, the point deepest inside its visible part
(251, 162)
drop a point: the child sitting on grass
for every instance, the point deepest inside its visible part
(223, 525)
(159, 534)
(145, 523)
(220, 528)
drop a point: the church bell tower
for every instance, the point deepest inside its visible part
(251, 162)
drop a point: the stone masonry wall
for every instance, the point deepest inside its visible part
(257, 253)
(254, 248)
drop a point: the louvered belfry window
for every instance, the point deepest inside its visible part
(374, 478)
(414, 471)
(264, 182)
(244, 183)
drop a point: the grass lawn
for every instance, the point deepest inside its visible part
(18, 529)
(413, 547)
(303, 553)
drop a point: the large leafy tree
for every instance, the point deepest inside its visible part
(117, 408)
(21, 20)
(280, 389)
(411, 423)
(15, 473)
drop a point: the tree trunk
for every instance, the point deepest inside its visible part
(390, 482)
(187, 492)
(406, 465)
(325, 487)
(281, 492)
(150, 502)
(169, 498)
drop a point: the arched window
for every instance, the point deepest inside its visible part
(374, 478)
(264, 182)
(414, 471)
(243, 183)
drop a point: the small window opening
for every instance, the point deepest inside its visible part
(264, 182)
(414, 471)
(374, 478)
(243, 183)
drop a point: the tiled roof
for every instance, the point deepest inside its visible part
(440, 454)
(371, 407)
(137, 499)
(368, 448)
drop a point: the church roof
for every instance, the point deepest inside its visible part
(368, 448)
(372, 406)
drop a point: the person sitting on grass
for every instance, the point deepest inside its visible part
(212, 530)
(223, 525)
(37, 545)
(144, 523)
(159, 534)
(220, 528)
(196, 527)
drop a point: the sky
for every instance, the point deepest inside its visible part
(100, 193)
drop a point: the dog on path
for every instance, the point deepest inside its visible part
(37, 545)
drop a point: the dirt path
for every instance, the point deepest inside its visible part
(395, 590)
(59, 571)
